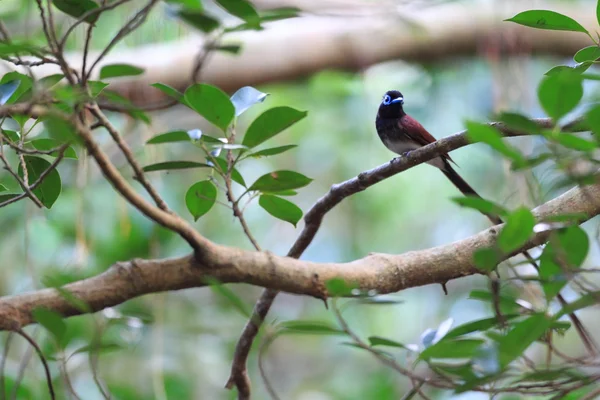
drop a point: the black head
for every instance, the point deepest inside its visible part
(391, 105)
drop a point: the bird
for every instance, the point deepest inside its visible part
(401, 134)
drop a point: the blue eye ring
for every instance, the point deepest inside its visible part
(387, 100)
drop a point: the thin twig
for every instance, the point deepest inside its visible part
(32, 342)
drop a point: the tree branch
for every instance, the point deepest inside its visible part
(384, 273)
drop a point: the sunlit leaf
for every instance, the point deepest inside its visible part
(518, 229)
(212, 103)
(544, 19)
(280, 180)
(524, 333)
(169, 165)
(200, 198)
(245, 98)
(116, 70)
(280, 208)
(270, 123)
(574, 142)
(47, 191)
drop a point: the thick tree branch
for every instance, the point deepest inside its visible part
(384, 273)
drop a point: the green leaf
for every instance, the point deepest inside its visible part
(598, 11)
(104, 347)
(508, 305)
(116, 70)
(168, 165)
(514, 344)
(13, 136)
(519, 122)
(76, 8)
(21, 48)
(590, 53)
(477, 326)
(551, 375)
(566, 249)
(241, 9)
(518, 229)
(171, 92)
(235, 174)
(592, 119)
(380, 341)
(560, 93)
(550, 20)
(3, 188)
(280, 208)
(230, 296)
(174, 136)
(45, 144)
(338, 287)
(272, 151)
(96, 87)
(199, 19)
(310, 327)
(75, 301)
(200, 198)
(459, 348)
(230, 48)
(574, 142)
(270, 123)
(478, 132)
(47, 191)
(531, 162)
(587, 300)
(50, 320)
(212, 103)
(481, 205)
(280, 180)
(565, 69)
(486, 259)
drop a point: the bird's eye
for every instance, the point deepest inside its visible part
(386, 100)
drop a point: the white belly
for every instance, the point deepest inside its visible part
(401, 147)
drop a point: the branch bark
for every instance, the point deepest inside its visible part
(384, 273)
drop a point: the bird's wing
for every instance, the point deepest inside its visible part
(417, 132)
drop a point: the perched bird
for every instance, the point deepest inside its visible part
(401, 133)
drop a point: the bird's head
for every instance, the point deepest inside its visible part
(391, 105)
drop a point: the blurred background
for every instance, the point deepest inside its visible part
(453, 60)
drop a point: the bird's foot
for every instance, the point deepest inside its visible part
(401, 156)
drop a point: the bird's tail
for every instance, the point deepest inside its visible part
(465, 188)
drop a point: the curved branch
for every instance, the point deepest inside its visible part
(384, 273)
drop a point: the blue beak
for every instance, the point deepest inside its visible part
(398, 100)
